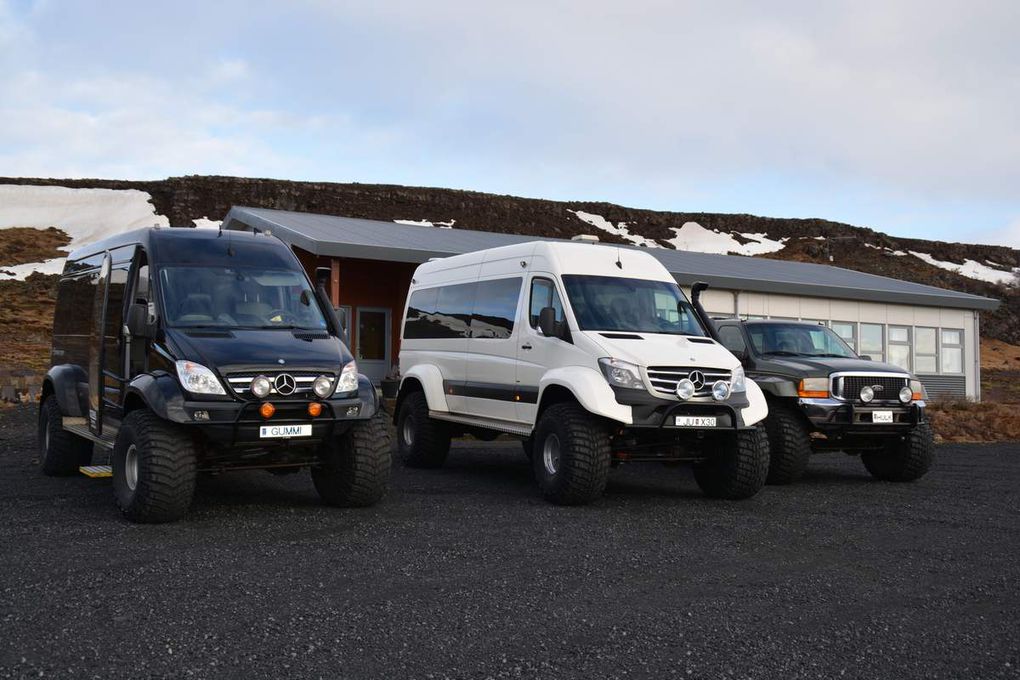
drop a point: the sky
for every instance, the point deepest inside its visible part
(899, 116)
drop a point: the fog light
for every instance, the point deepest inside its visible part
(315, 409)
(685, 389)
(906, 394)
(267, 410)
(720, 390)
(867, 394)
(260, 386)
(323, 386)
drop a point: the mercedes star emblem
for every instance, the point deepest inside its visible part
(698, 378)
(285, 384)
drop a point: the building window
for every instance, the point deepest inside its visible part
(899, 346)
(952, 350)
(847, 330)
(926, 350)
(873, 340)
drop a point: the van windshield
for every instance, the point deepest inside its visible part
(609, 303)
(238, 297)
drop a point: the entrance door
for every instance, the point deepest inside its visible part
(373, 342)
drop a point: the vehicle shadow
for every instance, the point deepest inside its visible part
(255, 488)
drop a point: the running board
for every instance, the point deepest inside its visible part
(96, 471)
(82, 430)
(486, 423)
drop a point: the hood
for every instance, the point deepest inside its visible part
(658, 349)
(823, 366)
(239, 351)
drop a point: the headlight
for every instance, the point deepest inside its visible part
(867, 394)
(685, 389)
(738, 383)
(621, 373)
(260, 386)
(906, 394)
(198, 379)
(323, 385)
(917, 390)
(348, 381)
(813, 388)
(720, 390)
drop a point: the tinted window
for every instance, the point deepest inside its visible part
(607, 303)
(453, 310)
(495, 308)
(543, 294)
(780, 339)
(73, 315)
(732, 339)
(421, 314)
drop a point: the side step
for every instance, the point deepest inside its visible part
(82, 430)
(486, 423)
(96, 471)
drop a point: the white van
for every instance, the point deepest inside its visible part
(590, 353)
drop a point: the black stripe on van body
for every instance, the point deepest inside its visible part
(494, 391)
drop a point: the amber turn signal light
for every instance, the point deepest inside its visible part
(314, 409)
(267, 410)
(813, 388)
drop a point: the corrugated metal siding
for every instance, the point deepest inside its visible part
(945, 386)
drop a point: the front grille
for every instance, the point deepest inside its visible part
(240, 384)
(849, 386)
(664, 379)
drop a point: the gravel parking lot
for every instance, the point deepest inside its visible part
(466, 572)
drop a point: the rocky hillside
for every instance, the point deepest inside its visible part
(983, 270)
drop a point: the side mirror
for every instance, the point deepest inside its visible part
(866, 357)
(139, 323)
(547, 322)
(341, 314)
(322, 276)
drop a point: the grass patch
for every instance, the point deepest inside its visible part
(22, 245)
(967, 421)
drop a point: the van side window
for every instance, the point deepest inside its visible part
(495, 308)
(543, 294)
(453, 310)
(732, 339)
(421, 314)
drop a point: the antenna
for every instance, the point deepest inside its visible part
(619, 264)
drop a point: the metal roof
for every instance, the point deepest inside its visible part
(333, 236)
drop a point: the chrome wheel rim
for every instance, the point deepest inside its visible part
(407, 432)
(551, 454)
(131, 467)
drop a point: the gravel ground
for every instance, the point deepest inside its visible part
(466, 572)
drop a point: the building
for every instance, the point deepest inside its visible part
(931, 331)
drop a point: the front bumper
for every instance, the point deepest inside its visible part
(841, 419)
(650, 412)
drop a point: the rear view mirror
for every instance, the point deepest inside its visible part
(139, 322)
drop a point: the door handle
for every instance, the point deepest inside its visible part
(526, 346)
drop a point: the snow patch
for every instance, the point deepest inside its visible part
(206, 223)
(427, 223)
(897, 253)
(971, 269)
(86, 215)
(693, 236)
(621, 229)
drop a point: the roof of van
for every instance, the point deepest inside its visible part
(149, 236)
(333, 236)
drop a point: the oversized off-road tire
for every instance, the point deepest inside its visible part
(789, 444)
(421, 441)
(154, 468)
(737, 468)
(570, 455)
(355, 467)
(905, 460)
(60, 452)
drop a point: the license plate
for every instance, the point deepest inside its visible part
(284, 431)
(881, 416)
(695, 421)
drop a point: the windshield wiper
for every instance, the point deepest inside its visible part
(783, 353)
(830, 354)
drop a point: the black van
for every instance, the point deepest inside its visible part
(182, 350)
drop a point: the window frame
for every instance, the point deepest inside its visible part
(852, 342)
(934, 355)
(943, 346)
(909, 344)
(860, 335)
